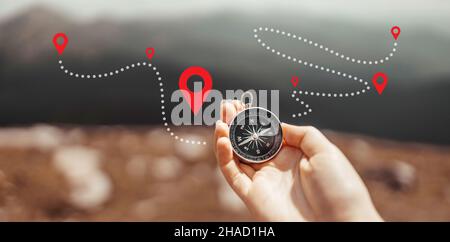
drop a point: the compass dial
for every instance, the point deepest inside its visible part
(256, 135)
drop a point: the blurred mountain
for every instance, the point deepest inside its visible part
(25, 37)
(34, 89)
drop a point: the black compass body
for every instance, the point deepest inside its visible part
(256, 135)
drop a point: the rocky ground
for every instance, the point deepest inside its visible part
(141, 173)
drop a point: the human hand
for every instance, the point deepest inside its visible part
(308, 180)
(271, 190)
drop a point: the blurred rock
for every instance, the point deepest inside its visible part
(360, 151)
(202, 172)
(397, 175)
(76, 136)
(170, 188)
(5, 184)
(405, 174)
(160, 142)
(2, 179)
(129, 141)
(165, 168)
(77, 161)
(191, 152)
(90, 186)
(137, 167)
(40, 137)
(91, 193)
(227, 197)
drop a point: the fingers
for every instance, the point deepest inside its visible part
(229, 109)
(247, 169)
(235, 175)
(332, 186)
(305, 167)
(238, 105)
(287, 158)
(309, 139)
(335, 191)
(237, 179)
(221, 131)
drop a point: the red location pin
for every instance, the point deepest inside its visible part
(195, 99)
(395, 31)
(294, 81)
(380, 86)
(60, 47)
(150, 51)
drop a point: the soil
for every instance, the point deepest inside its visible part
(143, 174)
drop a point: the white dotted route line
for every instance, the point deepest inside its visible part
(138, 64)
(311, 65)
(322, 47)
(300, 114)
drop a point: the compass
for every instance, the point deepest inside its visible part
(256, 135)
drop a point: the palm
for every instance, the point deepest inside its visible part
(276, 184)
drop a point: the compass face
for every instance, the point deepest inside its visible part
(256, 135)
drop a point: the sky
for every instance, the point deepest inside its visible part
(436, 11)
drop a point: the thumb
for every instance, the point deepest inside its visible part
(331, 184)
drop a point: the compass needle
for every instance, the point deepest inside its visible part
(245, 141)
(259, 132)
(263, 132)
